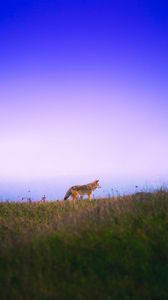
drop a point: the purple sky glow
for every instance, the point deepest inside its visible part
(83, 95)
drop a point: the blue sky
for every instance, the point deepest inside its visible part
(84, 94)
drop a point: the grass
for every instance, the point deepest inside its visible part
(109, 249)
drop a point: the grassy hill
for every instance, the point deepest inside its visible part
(113, 248)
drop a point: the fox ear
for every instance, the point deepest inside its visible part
(97, 180)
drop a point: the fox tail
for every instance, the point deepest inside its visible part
(68, 193)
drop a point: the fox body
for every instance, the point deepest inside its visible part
(81, 190)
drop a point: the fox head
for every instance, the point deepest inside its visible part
(97, 185)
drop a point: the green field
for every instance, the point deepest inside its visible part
(114, 248)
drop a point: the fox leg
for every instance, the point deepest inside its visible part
(90, 197)
(75, 195)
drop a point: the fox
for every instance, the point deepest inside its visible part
(81, 190)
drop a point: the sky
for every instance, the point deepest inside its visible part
(83, 95)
